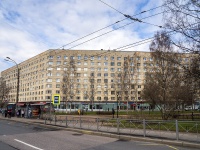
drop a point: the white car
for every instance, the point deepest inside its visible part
(188, 108)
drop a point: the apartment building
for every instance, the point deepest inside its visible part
(94, 78)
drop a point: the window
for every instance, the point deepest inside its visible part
(112, 69)
(57, 80)
(105, 58)
(85, 74)
(105, 69)
(151, 59)
(112, 74)
(50, 57)
(99, 64)
(78, 75)
(57, 74)
(98, 80)
(65, 63)
(92, 58)
(57, 85)
(105, 80)
(99, 57)
(112, 92)
(92, 63)
(78, 63)
(58, 57)
(49, 74)
(98, 74)
(118, 63)
(112, 58)
(138, 58)
(49, 68)
(145, 59)
(112, 63)
(118, 69)
(78, 80)
(105, 74)
(49, 80)
(57, 91)
(58, 62)
(65, 57)
(71, 57)
(79, 57)
(118, 58)
(98, 98)
(85, 58)
(92, 69)
(58, 68)
(105, 63)
(99, 92)
(85, 80)
(125, 58)
(49, 85)
(50, 63)
(85, 63)
(98, 69)
(78, 69)
(85, 69)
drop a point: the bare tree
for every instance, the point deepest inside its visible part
(4, 91)
(162, 76)
(69, 83)
(183, 16)
(92, 89)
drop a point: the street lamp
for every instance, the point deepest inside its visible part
(117, 103)
(17, 96)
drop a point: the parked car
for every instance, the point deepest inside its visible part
(188, 108)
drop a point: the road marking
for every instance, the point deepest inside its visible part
(149, 144)
(172, 147)
(28, 144)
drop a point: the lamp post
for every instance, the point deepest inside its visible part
(17, 96)
(117, 104)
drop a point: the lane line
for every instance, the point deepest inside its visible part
(172, 147)
(28, 144)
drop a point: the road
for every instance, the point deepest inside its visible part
(21, 136)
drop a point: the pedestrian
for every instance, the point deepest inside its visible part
(39, 113)
(22, 113)
(113, 112)
(6, 112)
(29, 113)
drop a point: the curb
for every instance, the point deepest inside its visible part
(111, 135)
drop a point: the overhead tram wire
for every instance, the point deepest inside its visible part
(122, 48)
(131, 17)
(114, 30)
(138, 43)
(110, 25)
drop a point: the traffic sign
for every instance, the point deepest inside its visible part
(56, 99)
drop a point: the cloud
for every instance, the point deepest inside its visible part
(30, 27)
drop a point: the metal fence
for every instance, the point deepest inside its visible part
(173, 129)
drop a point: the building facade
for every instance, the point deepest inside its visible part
(92, 78)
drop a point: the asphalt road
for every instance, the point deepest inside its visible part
(21, 136)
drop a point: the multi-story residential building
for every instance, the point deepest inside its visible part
(94, 78)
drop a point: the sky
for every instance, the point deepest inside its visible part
(30, 27)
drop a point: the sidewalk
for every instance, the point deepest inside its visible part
(104, 131)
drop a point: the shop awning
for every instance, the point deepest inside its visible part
(20, 104)
(39, 104)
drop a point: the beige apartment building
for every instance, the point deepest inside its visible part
(93, 78)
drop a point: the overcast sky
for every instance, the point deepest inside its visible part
(29, 27)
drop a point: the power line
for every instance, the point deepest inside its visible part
(110, 25)
(111, 7)
(113, 30)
